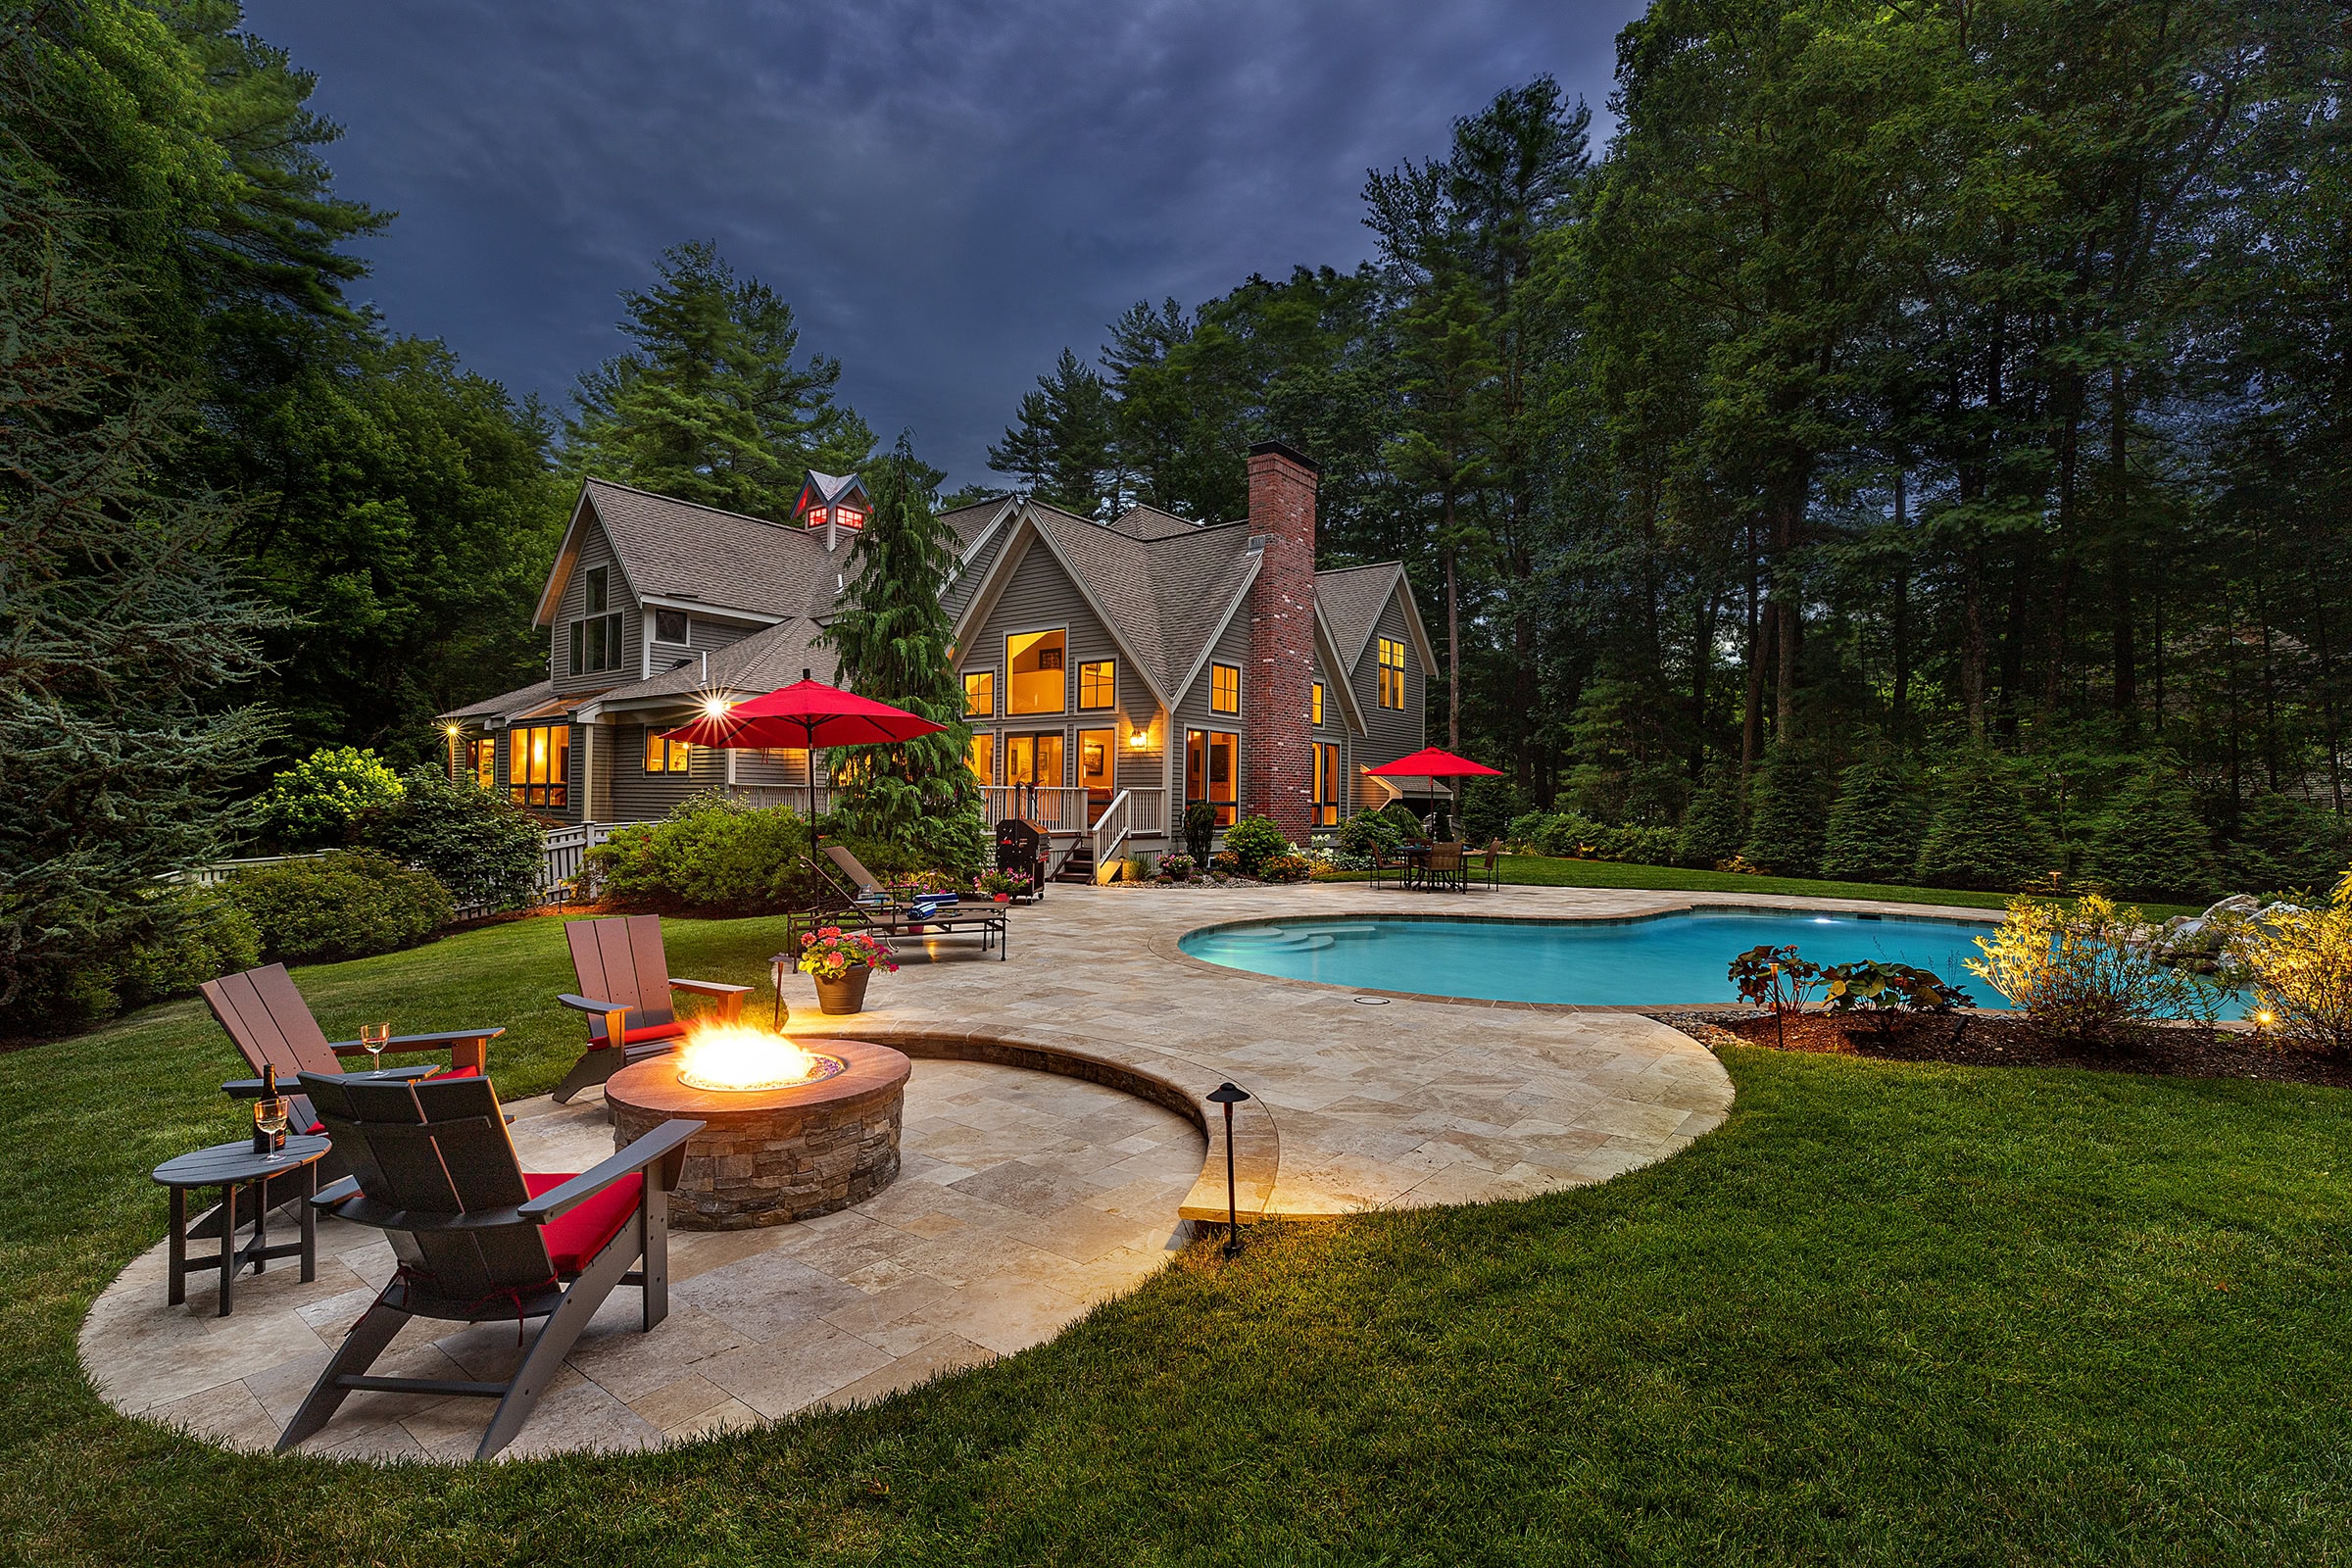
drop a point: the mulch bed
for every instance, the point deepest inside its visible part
(1995, 1039)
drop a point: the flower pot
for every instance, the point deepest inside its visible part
(844, 995)
(1003, 898)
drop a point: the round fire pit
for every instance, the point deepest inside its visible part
(768, 1156)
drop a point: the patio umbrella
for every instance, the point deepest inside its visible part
(1434, 763)
(806, 715)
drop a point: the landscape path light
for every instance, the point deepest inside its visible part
(1230, 1094)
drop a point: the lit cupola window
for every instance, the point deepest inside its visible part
(831, 501)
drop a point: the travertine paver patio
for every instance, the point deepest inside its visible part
(1027, 1194)
(1023, 1198)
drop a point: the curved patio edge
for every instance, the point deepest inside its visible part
(1170, 1081)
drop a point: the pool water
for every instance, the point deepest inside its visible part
(1661, 959)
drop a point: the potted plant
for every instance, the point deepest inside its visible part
(841, 962)
(1000, 885)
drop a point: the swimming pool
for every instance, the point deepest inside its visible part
(1655, 959)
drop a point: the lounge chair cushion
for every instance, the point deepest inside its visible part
(575, 1237)
(644, 1031)
(318, 1127)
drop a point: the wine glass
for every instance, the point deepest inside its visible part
(376, 1037)
(270, 1116)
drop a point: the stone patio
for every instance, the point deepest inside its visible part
(1053, 1153)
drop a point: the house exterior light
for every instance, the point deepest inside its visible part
(1136, 740)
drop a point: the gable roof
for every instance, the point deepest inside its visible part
(1351, 599)
(772, 657)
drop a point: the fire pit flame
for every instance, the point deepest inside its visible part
(739, 1057)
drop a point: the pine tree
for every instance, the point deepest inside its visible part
(712, 406)
(1063, 449)
(1983, 835)
(2284, 843)
(1785, 820)
(1716, 825)
(120, 632)
(1874, 828)
(2148, 843)
(893, 641)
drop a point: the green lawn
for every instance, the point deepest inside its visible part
(1889, 1314)
(1553, 871)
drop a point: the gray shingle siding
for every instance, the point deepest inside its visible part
(1193, 711)
(1041, 596)
(596, 550)
(1388, 732)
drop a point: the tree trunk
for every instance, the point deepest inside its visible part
(1899, 621)
(1972, 641)
(2119, 565)
(1453, 640)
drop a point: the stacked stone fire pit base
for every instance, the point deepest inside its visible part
(767, 1156)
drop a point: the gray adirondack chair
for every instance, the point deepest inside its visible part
(480, 1241)
(625, 989)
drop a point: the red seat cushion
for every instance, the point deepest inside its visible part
(644, 1031)
(575, 1237)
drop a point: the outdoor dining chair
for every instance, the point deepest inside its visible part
(1445, 869)
(480, 1241)
(626, 991)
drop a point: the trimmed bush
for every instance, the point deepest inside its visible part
(344, 905)
(713, 852)
(1790, 810)
(1982, 836)
(1639, 845)
(2285, 844)
(1199, 829)
(1874, 828)
(1368, 833)
(1253, 841)
(1716, 825)
(1285, 867)
(1569, 835)
(313, 802)
(481, 846)
(2150, 844)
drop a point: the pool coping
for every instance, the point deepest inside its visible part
(1171, 949)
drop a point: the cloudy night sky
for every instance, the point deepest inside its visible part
(945, 195)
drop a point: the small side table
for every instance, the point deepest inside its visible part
(231, 1166)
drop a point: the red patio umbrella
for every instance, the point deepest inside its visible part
(1434, 763)
(806, 715)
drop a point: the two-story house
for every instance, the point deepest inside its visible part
(1112, 672)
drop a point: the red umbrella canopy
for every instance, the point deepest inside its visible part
(805, 714)
(1434, 762)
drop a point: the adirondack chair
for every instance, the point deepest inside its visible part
(479, 1240)
(625, 989)
(272, 1027)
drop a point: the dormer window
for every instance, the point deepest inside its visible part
(831, 501)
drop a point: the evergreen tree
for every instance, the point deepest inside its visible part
(1874, 828)
(712, 406)
(1062, 447)
(895, 643)
(2283, 844)
(121, 631)
(1716, 825)
(2148, 843)
(1983, 835)
(1792, 805)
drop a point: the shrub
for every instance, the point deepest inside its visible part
(1569, 835)
(1880, 992)
(1285, 867)
(1225, 863)
(1639, 845)
(344, 905)
(1177, 867)
(313, 802)
(1487, 807)
(1656, 794)
(1715, 825)
(1523, 831)
(1874, 828)
(1792, 806)
(199, 934)
(1199, 828)
(2283, 843)
(2300, 963)
(2086, 972)
(483, 846)
(1409, 822)
(2149, 843)
(1253, 841)
(713, 852)
(1775, 978)
(1982, 836)
(1368, 833)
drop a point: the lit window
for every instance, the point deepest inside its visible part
(1315, 704)
(665, 756)
(1391, 672)
(1095, 684)
(980, 693)
(1036, 678)
(539, 765)
(849, 517)
(983, 757)
(483, 759)
(1225, 688)
(1327, 784)
(816, 516)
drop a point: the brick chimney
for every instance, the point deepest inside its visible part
(1278, 771)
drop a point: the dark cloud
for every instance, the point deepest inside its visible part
(947, 195)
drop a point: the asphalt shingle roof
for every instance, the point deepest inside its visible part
(770, 658)
(1351, 599)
